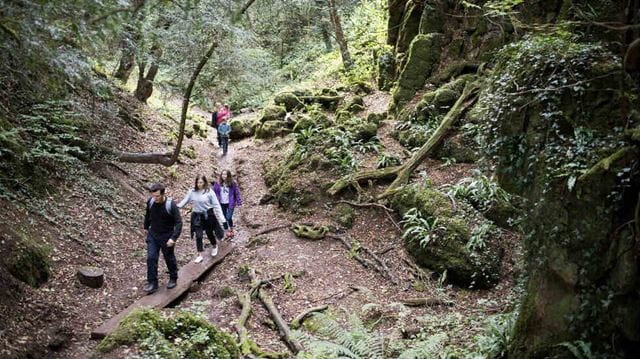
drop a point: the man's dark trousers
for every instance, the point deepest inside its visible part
(154, 246)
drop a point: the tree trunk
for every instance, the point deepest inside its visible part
(326, 37)
(169, 159)
(396, 12)
(144, 89)
(128, 44)
(342, 42)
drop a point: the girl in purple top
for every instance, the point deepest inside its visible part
(228, 195)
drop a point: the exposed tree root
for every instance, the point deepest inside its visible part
(403, 172)
(428, 302)
(298, 319)
(378, 265)
(246, 344)
(388, 211)
(272, 229)
(283, 327)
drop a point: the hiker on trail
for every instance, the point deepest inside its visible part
(224, 129)
(206, 215)
(223, 113)
(163, 224)
(228, 194)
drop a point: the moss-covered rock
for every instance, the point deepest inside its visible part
(183, 335)
(288, 100)
(354, 106)
(361, 88)
(424, 55)
(327, 102)
(190, 152)
(410, 25)
(328, 92)
(273, 113)
(386, 70)
(269, 129)
(241, 128)
(29, 260)
(376, 117)
(459, 147)
(360, 128)
(470, 258)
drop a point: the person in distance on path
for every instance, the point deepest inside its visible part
(205, 206)
(163, 224)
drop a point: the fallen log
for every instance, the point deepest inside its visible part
(247, 345)
(283, 327)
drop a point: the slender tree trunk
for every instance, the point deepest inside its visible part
(169, 159)
(342, 42)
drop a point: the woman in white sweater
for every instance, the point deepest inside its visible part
(205, 206)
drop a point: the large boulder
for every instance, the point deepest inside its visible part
(271, 129)
(273, 113)
(241, 128)
(461, 242)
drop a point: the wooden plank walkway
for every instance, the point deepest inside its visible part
(163, 297)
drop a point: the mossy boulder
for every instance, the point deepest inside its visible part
(328, 92)
(190, 152)
(29, 260)
(200, 129)
(354, 106)
(409, 26)
(241, 128)
(271, 129)
(288, 100)
(460, 147)
(376, 117)
(182, 335)
(361, 88)
(304, 121)
(424, 55)
(359, 127)
(286, 180)
(273, 113)
(327, 102)
(451, 247)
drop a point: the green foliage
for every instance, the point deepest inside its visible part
(387, 160)
(29, 260)
(493, 343)
(419, 228)
(183, 335)
(480, 191)
(289, 283)
(579, 349)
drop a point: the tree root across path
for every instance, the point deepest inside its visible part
(403, 172)
(283, 327)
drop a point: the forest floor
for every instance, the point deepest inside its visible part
(99, 222)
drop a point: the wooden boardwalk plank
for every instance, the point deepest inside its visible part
(163, 297)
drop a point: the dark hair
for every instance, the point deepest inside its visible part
(229, 178)
(157, 187)
(206, 182)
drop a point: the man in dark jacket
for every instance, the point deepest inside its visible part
(163, 224)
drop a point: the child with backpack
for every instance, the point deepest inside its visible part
(224, 129)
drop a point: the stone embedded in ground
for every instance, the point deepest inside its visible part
(91, 276)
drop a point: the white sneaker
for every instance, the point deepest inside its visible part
(198, 259)
(214, 251)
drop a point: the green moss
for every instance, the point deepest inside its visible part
(182, 336)
(451, 246)
(410, 25)
(29, 260)
(273, 113)
(423, 57)
(241, 128)
(190, 152)
(271, 129)
(288, 100)
(345, 215)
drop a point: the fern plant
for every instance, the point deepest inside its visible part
(417, 227)
(480, 191)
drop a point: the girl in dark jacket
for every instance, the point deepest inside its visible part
(228, 194)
